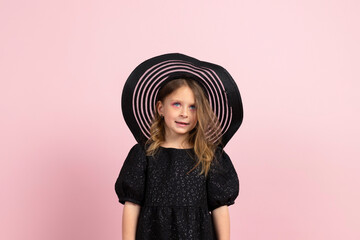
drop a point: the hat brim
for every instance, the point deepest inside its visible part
(141, 88)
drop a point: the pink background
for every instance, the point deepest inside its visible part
(63, 139)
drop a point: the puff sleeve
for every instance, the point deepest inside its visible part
(222, 182)
(130, 184)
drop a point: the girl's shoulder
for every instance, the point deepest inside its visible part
(137, 149)
(219, 154)
(221, 159)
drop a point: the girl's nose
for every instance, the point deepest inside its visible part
(184, 112)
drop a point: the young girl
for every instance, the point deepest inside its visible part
(178, 183)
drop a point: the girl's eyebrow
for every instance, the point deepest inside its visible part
(177, 100)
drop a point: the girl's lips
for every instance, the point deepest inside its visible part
(182, 123)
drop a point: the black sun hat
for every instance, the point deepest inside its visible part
(142, 86)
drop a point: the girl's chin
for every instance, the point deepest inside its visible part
(180, 131)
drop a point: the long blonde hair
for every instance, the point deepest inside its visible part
(207, 125)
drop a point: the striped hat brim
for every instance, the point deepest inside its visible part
(142, 86)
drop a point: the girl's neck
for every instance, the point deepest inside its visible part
(177, 146)
(176, 143)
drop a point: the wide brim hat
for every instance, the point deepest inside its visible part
(142, 86)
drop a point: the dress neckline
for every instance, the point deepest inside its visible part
(176, 148)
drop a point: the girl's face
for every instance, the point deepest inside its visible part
(179, 112)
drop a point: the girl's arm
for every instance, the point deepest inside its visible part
(129, 222)
(222, 222)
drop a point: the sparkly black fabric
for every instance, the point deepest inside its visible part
(175, 204)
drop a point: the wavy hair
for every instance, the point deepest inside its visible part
(207, 126)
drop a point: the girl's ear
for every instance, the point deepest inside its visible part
(159, 108)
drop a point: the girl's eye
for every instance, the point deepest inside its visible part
(176, 104)
(192, 107)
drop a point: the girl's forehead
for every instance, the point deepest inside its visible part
(182, 93)
(183, 90)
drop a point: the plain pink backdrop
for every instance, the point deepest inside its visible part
(63, 139)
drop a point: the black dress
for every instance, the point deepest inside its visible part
(175, 204)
